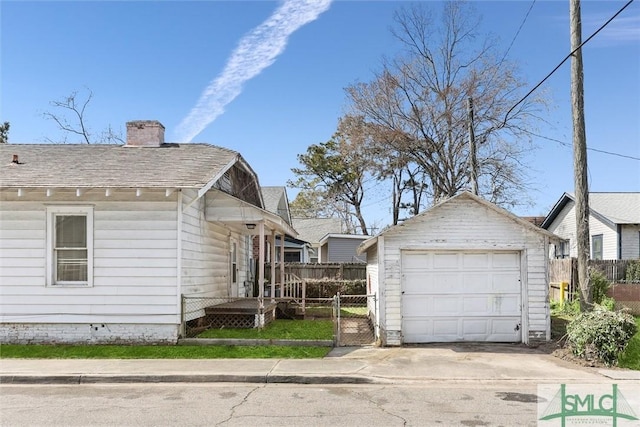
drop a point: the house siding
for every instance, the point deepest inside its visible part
(373, 288)
(564, 226)
(135, 270)
(342, 250)
(206, 247)
(630, 241)
(609, 238)
(205, 251)
(465, 224)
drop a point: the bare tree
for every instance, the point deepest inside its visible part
(70, 117)
(420, 98)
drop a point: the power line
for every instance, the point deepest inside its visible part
(566, 144)
(565, 60)
(516, 35)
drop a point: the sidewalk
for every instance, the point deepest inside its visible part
(368, 365)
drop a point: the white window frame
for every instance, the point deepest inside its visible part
(52, 212)
(593, 246)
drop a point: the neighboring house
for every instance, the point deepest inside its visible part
(463, 270)
(276, 201)
(312, 230)
(295, 250)
(614, 226)
(99, 242)
(341, 248)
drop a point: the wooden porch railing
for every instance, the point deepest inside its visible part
(293, 288)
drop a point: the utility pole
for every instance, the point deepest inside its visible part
(473, 161)
(580, 157)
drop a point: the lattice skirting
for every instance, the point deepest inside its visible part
(227, 321)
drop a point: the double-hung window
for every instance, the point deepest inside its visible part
(596, 246)
(70, 245)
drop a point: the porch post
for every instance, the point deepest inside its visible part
(282, 284)
(261, 271)
(273, 265)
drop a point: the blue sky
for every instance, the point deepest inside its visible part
(154, 60)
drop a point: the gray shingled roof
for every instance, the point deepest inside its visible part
(617, 208)
(87, 166)
(272, 196)
(313, 229)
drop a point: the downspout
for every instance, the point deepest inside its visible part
(282, 284)
(619, 237)
(181, 327)
(272, 252)
(261, 269)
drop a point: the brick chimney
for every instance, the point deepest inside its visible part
(145, 133)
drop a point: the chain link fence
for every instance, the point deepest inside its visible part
(354, 316)
(355, 319)
(202, 313)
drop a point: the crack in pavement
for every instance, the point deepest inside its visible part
(236, 406)
(377, 404)
(271, 370)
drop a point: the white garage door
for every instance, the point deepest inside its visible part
(461, 296)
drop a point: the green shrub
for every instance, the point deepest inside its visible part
(608, 303)
(600, 334)
(571, 308)
(599, 284)
(633, 271)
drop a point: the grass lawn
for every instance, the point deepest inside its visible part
(8, 351)
(630, 358)
(279, 329)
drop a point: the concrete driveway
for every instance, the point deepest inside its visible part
(474, 361)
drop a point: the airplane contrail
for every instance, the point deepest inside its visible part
(255, 52)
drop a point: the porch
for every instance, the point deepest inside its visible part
(200, 314)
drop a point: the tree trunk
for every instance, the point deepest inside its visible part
(580, 158)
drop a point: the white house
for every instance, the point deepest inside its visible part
(614, 226)
(464, 270)
(99, 242)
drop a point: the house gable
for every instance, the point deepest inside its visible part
(611, 215)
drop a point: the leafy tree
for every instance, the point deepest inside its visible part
(70, 117)
(4, 132)
(335, 170)
(420, 98)
(310, 202)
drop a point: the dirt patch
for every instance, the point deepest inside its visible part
(557, 346)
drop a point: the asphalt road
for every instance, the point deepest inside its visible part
(434, 403)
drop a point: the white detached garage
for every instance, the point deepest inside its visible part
(464, 270)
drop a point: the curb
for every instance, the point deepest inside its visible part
(146, 379)
(255, 342)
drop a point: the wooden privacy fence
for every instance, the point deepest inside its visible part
(563, 273)
(337, 271)
(614, 270)
(566, 270)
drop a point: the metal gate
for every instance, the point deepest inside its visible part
(355, 319)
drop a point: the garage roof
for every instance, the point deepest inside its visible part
(464, 195)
